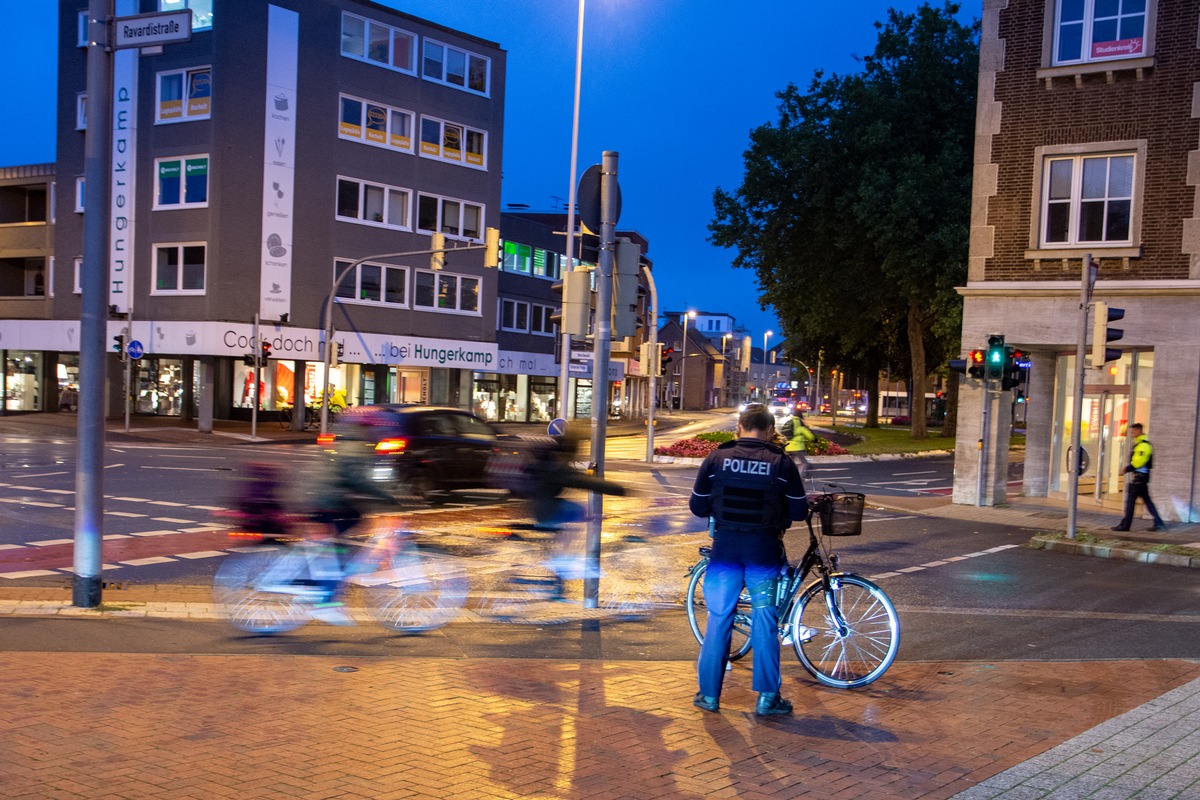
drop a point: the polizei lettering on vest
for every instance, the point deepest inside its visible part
(746, 467)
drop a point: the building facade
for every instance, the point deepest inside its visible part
(286, 144)
(1087, 143)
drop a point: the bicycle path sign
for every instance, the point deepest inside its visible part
(134, 349)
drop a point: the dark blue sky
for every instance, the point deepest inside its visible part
(674, 86)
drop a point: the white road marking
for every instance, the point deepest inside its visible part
(166, 503)
(108, 536)
(49, 542)
(41, 475)
(12, 546)
(948, 559)
(154, 533)
(201, 554)
(128, 499)
(30, 573)
(142, 562)
(173, 519)
(123, 514)
(922, 472)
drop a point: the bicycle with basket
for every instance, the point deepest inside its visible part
(842, 627)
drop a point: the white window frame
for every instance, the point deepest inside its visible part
(1039, 247)
(511, 260)
(81, 111)
(510, 311)
(444, 224)
(354, 280)
(364, 135)
(545, 312)
(78, 287)
(183, 202)
(79, 189)
(443, 77)
(363, 187)
(186, 76)
(393, 32)
(202, 17)
(438, 150)
(1087, 30)
(439, 276)
(83, 29)
(160, 246)
(551, 268)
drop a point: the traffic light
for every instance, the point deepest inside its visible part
(1012, 368)
(249, 360)
(1102, 334)
(996, 357)
(959, 365)
(437, 256)
(119, 345)
(266, 352)
(975, 364)
(625, 289)
(665, 358)
(650, 358)
(492, 254)
(574, 315)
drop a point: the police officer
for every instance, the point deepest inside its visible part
(753, 491)
(1141, 461)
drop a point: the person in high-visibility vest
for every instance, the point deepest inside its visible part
(1141, 461)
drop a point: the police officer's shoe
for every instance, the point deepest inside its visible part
(705, 702)
(771, 704)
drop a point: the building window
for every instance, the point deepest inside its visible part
(77, 286)
(539, 321)
(546, 264)
(514, 316)
(374, 42)
(1088, 199)
(446, 291)
(517, 257)
(455, 67)
(202, 11)
(377, 284)
(23, 205)
(181, 182)
(184, 95)
(83, 29)
(373, 204)
(79, 187)
(81, 111)
(455, 218)
(23, 277)
(450, 141)
(1099, 30)
(375, 123)
(179, 268)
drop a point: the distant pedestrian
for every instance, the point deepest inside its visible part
(753, 491)
(1141, 461)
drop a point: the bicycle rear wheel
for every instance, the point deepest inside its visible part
(285, 417)
(697, 614)
(853, 655)
(240, 600)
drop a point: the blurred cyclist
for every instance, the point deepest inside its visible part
(551, 472)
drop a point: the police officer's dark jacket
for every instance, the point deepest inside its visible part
(749, 486)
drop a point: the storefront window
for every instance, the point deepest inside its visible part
(485, 399)
(68, 382)
(543, 400)
(22, 389)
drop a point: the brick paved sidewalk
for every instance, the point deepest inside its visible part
(199, 726)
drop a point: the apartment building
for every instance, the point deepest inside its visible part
(1088, 143)
(287, 143)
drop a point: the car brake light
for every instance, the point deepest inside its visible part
(391, 445)
(326, 438)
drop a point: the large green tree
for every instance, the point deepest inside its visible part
(854, 208)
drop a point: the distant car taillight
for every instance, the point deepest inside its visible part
(326, 438)
(396, 445)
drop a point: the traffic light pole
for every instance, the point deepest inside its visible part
(1086, 282)
(258, 381)
(985, 431)
(128, 361)
(652, 364)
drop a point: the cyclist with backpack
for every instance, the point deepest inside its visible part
(800, 438)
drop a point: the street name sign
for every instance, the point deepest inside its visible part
(151, 30)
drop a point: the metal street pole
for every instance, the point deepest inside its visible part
(764, 374)
(1086, 282)
(683, 365)
(564, 374)
(601, 348)
(655, 363)
(89, 469)
(258, 381)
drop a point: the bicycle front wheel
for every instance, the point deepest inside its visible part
(856, 631)
(697, 614)
(238, 591)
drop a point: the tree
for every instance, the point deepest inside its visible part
(854, 208)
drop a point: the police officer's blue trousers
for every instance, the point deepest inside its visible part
(722, 584)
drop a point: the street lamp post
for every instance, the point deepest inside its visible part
(807, 383)
(683, 361)
(764, 373)
(564, 376)
(724, 372)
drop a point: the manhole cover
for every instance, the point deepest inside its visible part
(345, 669)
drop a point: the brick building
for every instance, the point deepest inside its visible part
(1087, 142)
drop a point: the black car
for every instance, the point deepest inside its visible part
(422, 451)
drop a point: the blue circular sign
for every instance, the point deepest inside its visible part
(134, 348)
(557, 427)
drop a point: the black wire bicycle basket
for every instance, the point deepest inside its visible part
(841, 514)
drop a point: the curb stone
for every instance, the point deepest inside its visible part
(1116, 550)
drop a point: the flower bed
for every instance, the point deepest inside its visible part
(701, 445)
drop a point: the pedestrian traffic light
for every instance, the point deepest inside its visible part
(573, 316)
(437, 255)
(995, 357)
(975, 364)
(666, 357)
(1102, 334)
(266, 351)
(492, 254)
